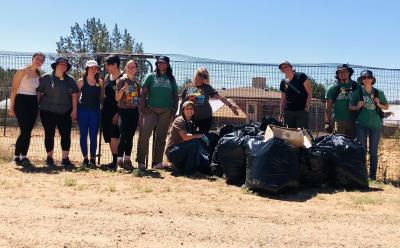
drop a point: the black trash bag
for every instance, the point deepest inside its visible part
(230, 158)
(226, 129)
(272, 166)
(348, 159)
(316, 167)
(269, 121)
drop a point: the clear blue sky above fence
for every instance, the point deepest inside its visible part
(309, 31)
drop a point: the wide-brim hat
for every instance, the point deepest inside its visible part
(61, 59)
(365, 73)
(344, 67)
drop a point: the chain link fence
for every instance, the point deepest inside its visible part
(254, 88)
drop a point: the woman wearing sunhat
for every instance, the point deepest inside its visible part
(58, 100)
(24, 105)
(92, 92)
(159, 102)
(369, 101)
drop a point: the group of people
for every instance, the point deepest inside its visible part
(120, 104)
(353, 108)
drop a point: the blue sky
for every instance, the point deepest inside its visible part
(309, 31)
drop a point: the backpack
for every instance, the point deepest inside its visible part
(354, 86)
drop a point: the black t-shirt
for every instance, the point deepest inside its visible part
(296, 94)
(110, 106)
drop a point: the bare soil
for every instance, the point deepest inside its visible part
(45, 208)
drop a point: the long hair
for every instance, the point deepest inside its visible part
(38, 54)
(201, 71)
(168, 73)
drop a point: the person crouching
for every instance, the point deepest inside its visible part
(185, 150)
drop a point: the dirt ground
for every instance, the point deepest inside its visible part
(103, 209)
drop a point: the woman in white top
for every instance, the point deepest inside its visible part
(24, 105)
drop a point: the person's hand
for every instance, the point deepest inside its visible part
(234, 109)
(376, 100)
(280, 118)
(115, 119)
(328, 127)
(307, 108)
(205, 140)
(360, 104)
(73, 115)
(11, 112)
(126, 88)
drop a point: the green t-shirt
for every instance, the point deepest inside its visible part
(341, 110)
(160, 91)
(368, 115)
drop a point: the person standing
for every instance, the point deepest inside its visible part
(199, 92)
(296, 94)
(92, 92)
(338, 97)
(24, 105)
(159, 103)
(58, 100)
(127, 96)
(109, 114)
(369, 103)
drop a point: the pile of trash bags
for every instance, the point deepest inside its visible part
(241, 155)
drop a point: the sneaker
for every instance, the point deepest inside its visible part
(49, 161)
(141, 166)
(85, 162)
(159, 166)
(127, 165)
(17, 161)
(67, 163)
(111, 166)
(92, 163)
(26, 162)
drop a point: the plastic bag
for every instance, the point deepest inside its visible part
(272, 166)
(315, 167)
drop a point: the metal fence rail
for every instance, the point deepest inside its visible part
(252, 87)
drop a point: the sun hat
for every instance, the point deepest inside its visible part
(61, 59)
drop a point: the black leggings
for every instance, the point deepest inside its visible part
(26, 110)
(52, 120)
(127, 129)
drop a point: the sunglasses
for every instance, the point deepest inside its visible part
(189, 108)
(367, 77)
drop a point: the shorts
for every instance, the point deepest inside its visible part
(110, 130)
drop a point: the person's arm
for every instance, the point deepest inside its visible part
(282, 105)
(175, 97)
(101, 83)
(74, 106)
(308, 88)
(381, 101)
(328, 110)
(143, 96)
(15, 85)
(80, 83)
(121, 90)
(227, 103)
(188, 136)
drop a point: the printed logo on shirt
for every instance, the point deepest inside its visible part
(195, 95)
(369, 102)
(162, 82)
(344, 94)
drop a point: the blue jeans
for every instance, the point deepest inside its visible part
(374, 135)
(88, 121)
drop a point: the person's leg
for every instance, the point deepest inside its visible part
(148, 124)
(93, 131)
(290, 119)
(374, 136)
(302, 118)
(132, 123)
(361, 134)
(26, 109)
(84, 122)
(64, 124)
(163, 123)
(49, 125)
(123, 129)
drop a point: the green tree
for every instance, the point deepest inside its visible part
(318, 89)
(93, 37)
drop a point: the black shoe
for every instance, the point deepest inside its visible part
(26, 162)
(17, 161)
(49, 161)
(67, 164)
(110, 166)
(85, 162)
(92, 163)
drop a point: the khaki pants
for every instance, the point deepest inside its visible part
(158, 119)
(345, 127)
